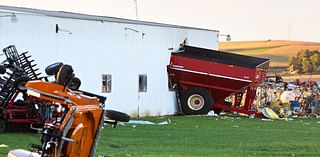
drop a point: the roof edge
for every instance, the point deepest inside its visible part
(81, 16)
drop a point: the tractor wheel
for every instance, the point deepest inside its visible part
(20, 83)
(75, 83)
(53, 68)
(196, 101)
(64, 75)
(118, 116)
(3, 125)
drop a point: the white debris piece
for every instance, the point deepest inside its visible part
(269, 113)
(269, 120)
(3, 146)
(287, 96)
(211, 113)
(163, 123)
(144, 122)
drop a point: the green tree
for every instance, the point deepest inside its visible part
(300, 57)
(305, 61)
(293, 64)
(305, 64)
(315, 60)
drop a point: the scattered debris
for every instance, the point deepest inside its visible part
(163, 123)
(268, 120)
(211, 113)
(290, 99)
(269, 113)
(144, 122)
(3, 146)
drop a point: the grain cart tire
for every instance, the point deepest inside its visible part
(196, 101)
(3, 125)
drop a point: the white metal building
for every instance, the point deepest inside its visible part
(122, 59)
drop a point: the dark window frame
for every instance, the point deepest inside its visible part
(106, 83)
(143, 83)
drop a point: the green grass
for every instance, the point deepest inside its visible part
(275, 58)
(201, 136)
(260, 52)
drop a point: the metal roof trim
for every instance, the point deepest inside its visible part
(72, 15)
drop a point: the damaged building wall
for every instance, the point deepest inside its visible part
(120, 49)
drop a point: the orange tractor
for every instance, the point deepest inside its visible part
(76, 119)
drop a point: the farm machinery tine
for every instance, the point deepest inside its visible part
(18, 68)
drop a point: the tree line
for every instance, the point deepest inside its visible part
(305, 61)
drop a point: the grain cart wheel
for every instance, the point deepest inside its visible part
(196, 101)
(3, 125)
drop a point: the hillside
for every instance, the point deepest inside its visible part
(278, 50)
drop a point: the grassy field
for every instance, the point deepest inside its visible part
(277, 51)
(200, 136)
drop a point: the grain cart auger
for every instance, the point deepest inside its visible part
(75, 130)
(14, 113)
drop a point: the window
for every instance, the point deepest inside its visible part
(106, 83)
(142, 83)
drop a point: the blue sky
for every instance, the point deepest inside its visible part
(243, 19)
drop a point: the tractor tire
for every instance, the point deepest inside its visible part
(20, 83)
(64, 75)
(3, 125)
(75, 83)
(196, 101)
(53, 68)
(118, 116)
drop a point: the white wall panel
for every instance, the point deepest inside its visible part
(95, 48)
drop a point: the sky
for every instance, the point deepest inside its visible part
(242, 19)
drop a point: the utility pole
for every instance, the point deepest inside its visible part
(289, 31)
(136, 8)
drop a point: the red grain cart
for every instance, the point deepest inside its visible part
(204, 79)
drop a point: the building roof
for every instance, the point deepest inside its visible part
(71, 15)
